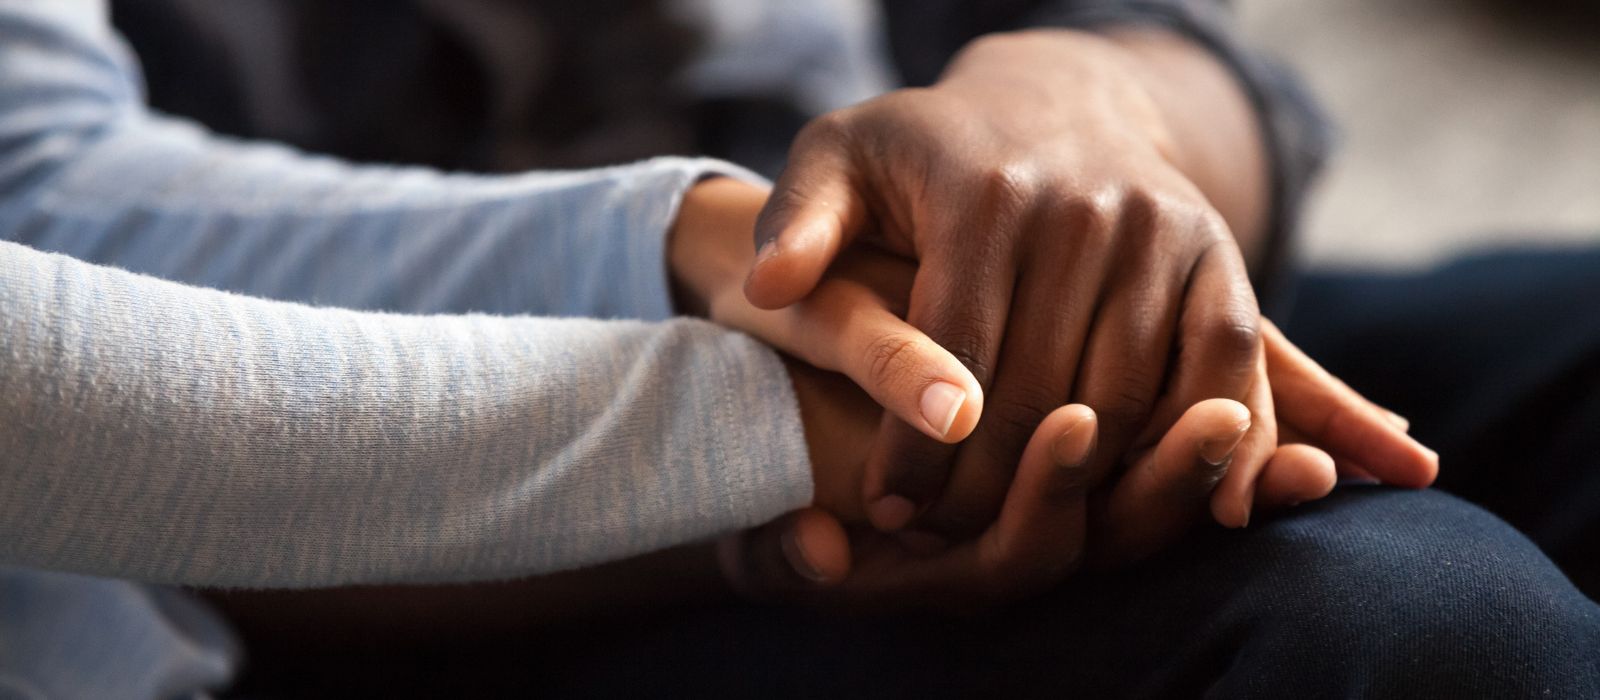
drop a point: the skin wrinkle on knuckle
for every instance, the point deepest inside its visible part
(1068, 483)
(886, 358)
(1212, 227)
(1095, 213)
(1128, 403)
(970, 346)
(1009, 421)
(1007, 185)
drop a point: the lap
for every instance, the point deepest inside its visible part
(1495, 359)
(1373, 592)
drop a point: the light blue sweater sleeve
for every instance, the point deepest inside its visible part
(87, 170)
(170, 433)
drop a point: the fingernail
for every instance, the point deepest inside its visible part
(768, 251)
(1397, 420)
(941, 401)
(797, 558)
(1072, 447)
(1218, 451)
(891, 512)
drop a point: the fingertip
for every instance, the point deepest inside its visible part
(1412, 465)
(1326, 476)
(1427, 468)
(890, 513)
(1218, 413)
(791, 263)
(818, 548)
(940, 404)
(1296, 474)
(952, 407)
(1231, 510)
(1076, 430)
(773, 282)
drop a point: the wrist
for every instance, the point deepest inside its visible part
(839, 422)
(711, 243)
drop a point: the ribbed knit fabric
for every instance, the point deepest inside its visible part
(170, 433)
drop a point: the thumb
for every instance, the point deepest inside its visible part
(802, 552)
(848, 328)
(815, 211)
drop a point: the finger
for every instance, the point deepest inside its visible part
(1219, 356)
(1039, 535)
(1295, 474)
(1044, 342)
(1037, 539)
(1343, 468)
(1334, 417)
(902, 369)
(1166, 493)
(1126, 360)
(962, 304)
(1219, 338)
(1234, 497)
(848, 327)
(794, 556)
(814, 211)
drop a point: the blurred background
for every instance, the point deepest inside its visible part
(1464, 124)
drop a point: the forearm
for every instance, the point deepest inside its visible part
(171, 434)
(87, 170)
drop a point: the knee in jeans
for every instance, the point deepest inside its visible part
(1421, 591)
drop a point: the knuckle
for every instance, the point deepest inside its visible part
(1145, 208)
(1126, 405)
(1021, 409)
(888, 356)
(1009, 181)
(1095, 214)
(968, 344)
(1234, 334)
(1069, 483)
(830, 127)
(1212, 227)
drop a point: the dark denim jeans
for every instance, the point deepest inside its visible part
(1372, 592)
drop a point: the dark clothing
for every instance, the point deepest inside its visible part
(1495, 359)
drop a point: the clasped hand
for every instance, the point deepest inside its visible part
(1053, 322)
